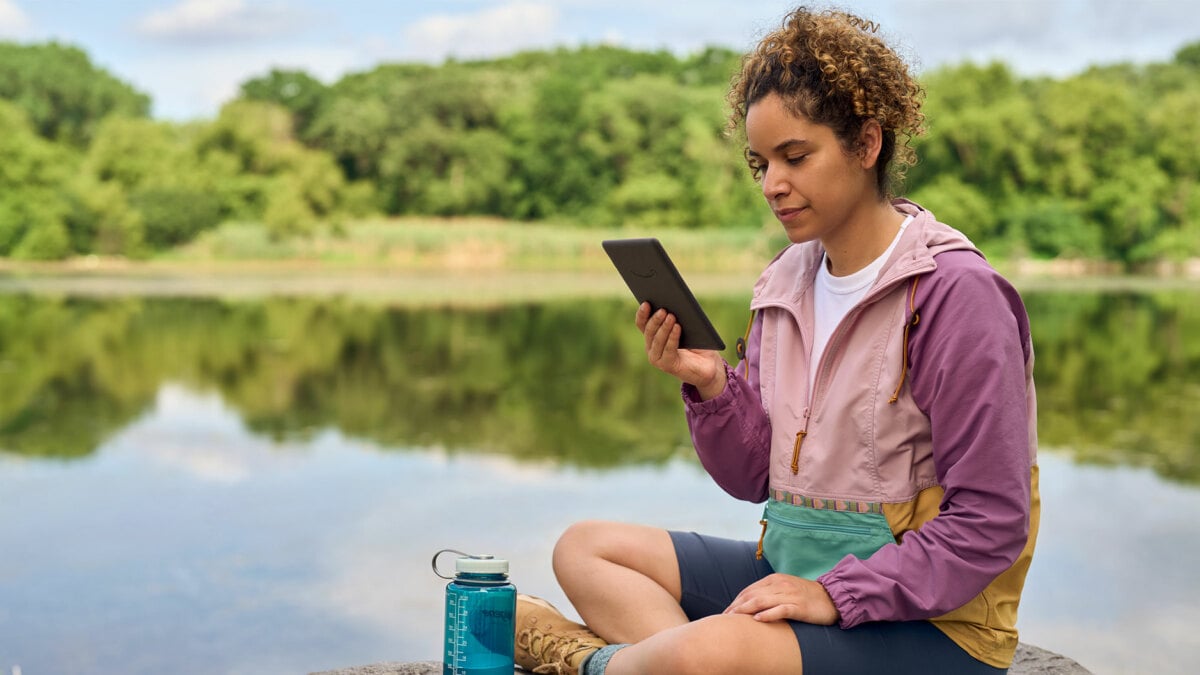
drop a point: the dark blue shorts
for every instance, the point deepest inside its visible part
(714, 570)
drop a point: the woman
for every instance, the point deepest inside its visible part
(885, 412)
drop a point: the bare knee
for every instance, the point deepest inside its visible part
(578, 545)
(717, 645)
(588, 545)
(699, 649)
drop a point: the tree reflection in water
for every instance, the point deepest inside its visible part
(1118, 374)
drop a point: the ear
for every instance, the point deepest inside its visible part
(870, 141)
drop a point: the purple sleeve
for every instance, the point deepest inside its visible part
(731, 432)
(968, 356)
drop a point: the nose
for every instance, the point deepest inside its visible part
(774, 184)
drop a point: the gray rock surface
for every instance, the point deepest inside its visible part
(1032, 660)
(1029, 660)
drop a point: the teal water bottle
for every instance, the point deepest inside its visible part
(481, 607)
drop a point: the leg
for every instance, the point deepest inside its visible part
(724, 644)
(623, 579)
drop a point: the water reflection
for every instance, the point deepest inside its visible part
(190, 543)
(1118, 377)
(256, 486)
(1117, 374)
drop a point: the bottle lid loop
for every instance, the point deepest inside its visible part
(467, 563)
(439, 554)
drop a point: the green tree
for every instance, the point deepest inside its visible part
(662, 155)
(961, 205)
(1053, 228)
(1129, 209)
(261, 168)
(33, 180)
(159, 175)
(429, 138)
(296, 90)
(101, 220)
(62, 92)
(982, 129)
(1189, 55)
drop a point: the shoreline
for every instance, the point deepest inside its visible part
(454, 284)
(479, 261)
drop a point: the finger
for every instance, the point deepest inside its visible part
(662, 335)
(776, 613)
(653, 327)
(642, 316)
(744, 596)
(673, 337)
(752, 603)
(653, 322)
(741, 608)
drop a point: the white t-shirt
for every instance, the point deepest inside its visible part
(834, 296)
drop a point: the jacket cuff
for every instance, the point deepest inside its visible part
(691, 395)
(844, 600)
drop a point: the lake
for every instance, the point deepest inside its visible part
(258, 484)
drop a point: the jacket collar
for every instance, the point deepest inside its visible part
(792, 272)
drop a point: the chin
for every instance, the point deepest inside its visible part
(799, 235)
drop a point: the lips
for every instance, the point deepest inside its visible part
(786, 214)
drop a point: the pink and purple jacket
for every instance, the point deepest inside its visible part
(906, 483)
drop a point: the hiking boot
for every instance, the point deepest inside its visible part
(547, 642)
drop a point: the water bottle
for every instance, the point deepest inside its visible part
(481, 607)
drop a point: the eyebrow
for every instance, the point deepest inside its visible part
(784, 146)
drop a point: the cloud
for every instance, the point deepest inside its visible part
(13, 22)
(220, 21)
(216, 78)
(494, 31)
(1036, 37)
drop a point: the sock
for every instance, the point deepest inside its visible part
(597, 661)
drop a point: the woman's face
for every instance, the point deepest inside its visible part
(811, 183)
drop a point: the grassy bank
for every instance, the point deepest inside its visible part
(471, 244)
(414, 261)
(468, 260)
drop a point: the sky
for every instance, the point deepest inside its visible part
(190, 56)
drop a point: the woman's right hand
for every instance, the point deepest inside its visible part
(701, 368)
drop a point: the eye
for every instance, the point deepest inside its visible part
(796, 159)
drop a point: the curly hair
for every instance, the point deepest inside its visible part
(831, 68)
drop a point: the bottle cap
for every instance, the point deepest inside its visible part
(480, 564)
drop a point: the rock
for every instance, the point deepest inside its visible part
(1029, 660)
(415, 668)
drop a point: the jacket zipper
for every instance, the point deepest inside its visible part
(831, 347)
(824, 527)
(879, 290)
(839, 529)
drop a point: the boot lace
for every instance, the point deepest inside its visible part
(554, 651)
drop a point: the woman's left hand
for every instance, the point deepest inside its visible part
(783, 596)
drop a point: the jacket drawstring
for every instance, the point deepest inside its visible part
(911, 323)
(796, 449)
(758, 555)
(740, 347)
(908, 325)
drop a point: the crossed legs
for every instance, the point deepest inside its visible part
(624, 581)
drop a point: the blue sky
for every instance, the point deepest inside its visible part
(191, 55)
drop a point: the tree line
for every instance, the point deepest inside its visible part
(1099, 165)
(1116, 374)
